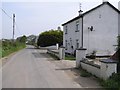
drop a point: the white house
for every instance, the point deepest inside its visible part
(96, 30)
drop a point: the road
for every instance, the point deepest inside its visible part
(31, 68)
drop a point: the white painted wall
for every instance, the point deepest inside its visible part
(119, 25)
(105, 31)
(107, 69)
(80, 55)
(119, 19)
(73, 35)
(61, 53)
(91, 69)
(104, 72)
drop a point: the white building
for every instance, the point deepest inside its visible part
(96, 30)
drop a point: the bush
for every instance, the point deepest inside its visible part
(10, 47)
(112, 83)
(49, 38)
(84, 73)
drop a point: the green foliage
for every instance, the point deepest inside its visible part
(69, 57)
(31, 40)
(50, 37)
(118, 65)
(54, 56)
(84, 73)
(10, 47)
(112, 82)
(22, 39)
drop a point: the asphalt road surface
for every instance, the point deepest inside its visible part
(31, 68)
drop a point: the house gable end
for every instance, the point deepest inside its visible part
(87, 12)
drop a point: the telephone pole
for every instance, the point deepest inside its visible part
(13, 26)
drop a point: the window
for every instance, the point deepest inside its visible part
(65, 29)
(77, 26)
(77, 43)
(66, 44)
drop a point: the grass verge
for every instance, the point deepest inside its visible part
(84, 73)
(53, 56)
(69, 57)
(10, 47)
(112, 83)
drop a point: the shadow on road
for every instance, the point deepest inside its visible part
(66, 69)
(41, 55)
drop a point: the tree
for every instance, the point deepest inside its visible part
(22, 39)
(50, 37)
(31, 39)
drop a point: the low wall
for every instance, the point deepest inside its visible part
(91, 68)
(53, 52)
(104, 71)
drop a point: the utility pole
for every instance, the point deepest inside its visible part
(13, 26)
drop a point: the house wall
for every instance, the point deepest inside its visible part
(119, 25)
(119, 19)
(71, 27)
(105, 30)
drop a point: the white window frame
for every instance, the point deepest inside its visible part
(66, 46)
(77, 43)
(77, 26)
(66, 29)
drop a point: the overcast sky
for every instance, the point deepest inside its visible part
(34, 17)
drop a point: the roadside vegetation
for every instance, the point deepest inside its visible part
(53, 56)
(84, 73)
(70, 57)
(113, 82)
(8, 46)
(49, 38)
(118, 66)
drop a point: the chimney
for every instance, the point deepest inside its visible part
(104, 1)
(80, 11)
(119, 5)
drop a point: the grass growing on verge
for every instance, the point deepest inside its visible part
(69, 57)
(84, 73)
(112, 83)
(9, 47)
(53, 56)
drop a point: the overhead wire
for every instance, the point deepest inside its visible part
(11, 18)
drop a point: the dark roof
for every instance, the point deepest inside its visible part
(116, 55)
(92, 10)
(108, 61)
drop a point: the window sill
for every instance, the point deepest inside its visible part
(76, 31)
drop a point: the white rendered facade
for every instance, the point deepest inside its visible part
(97, 31)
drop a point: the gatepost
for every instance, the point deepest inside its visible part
(80, 55)
(62, 53)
